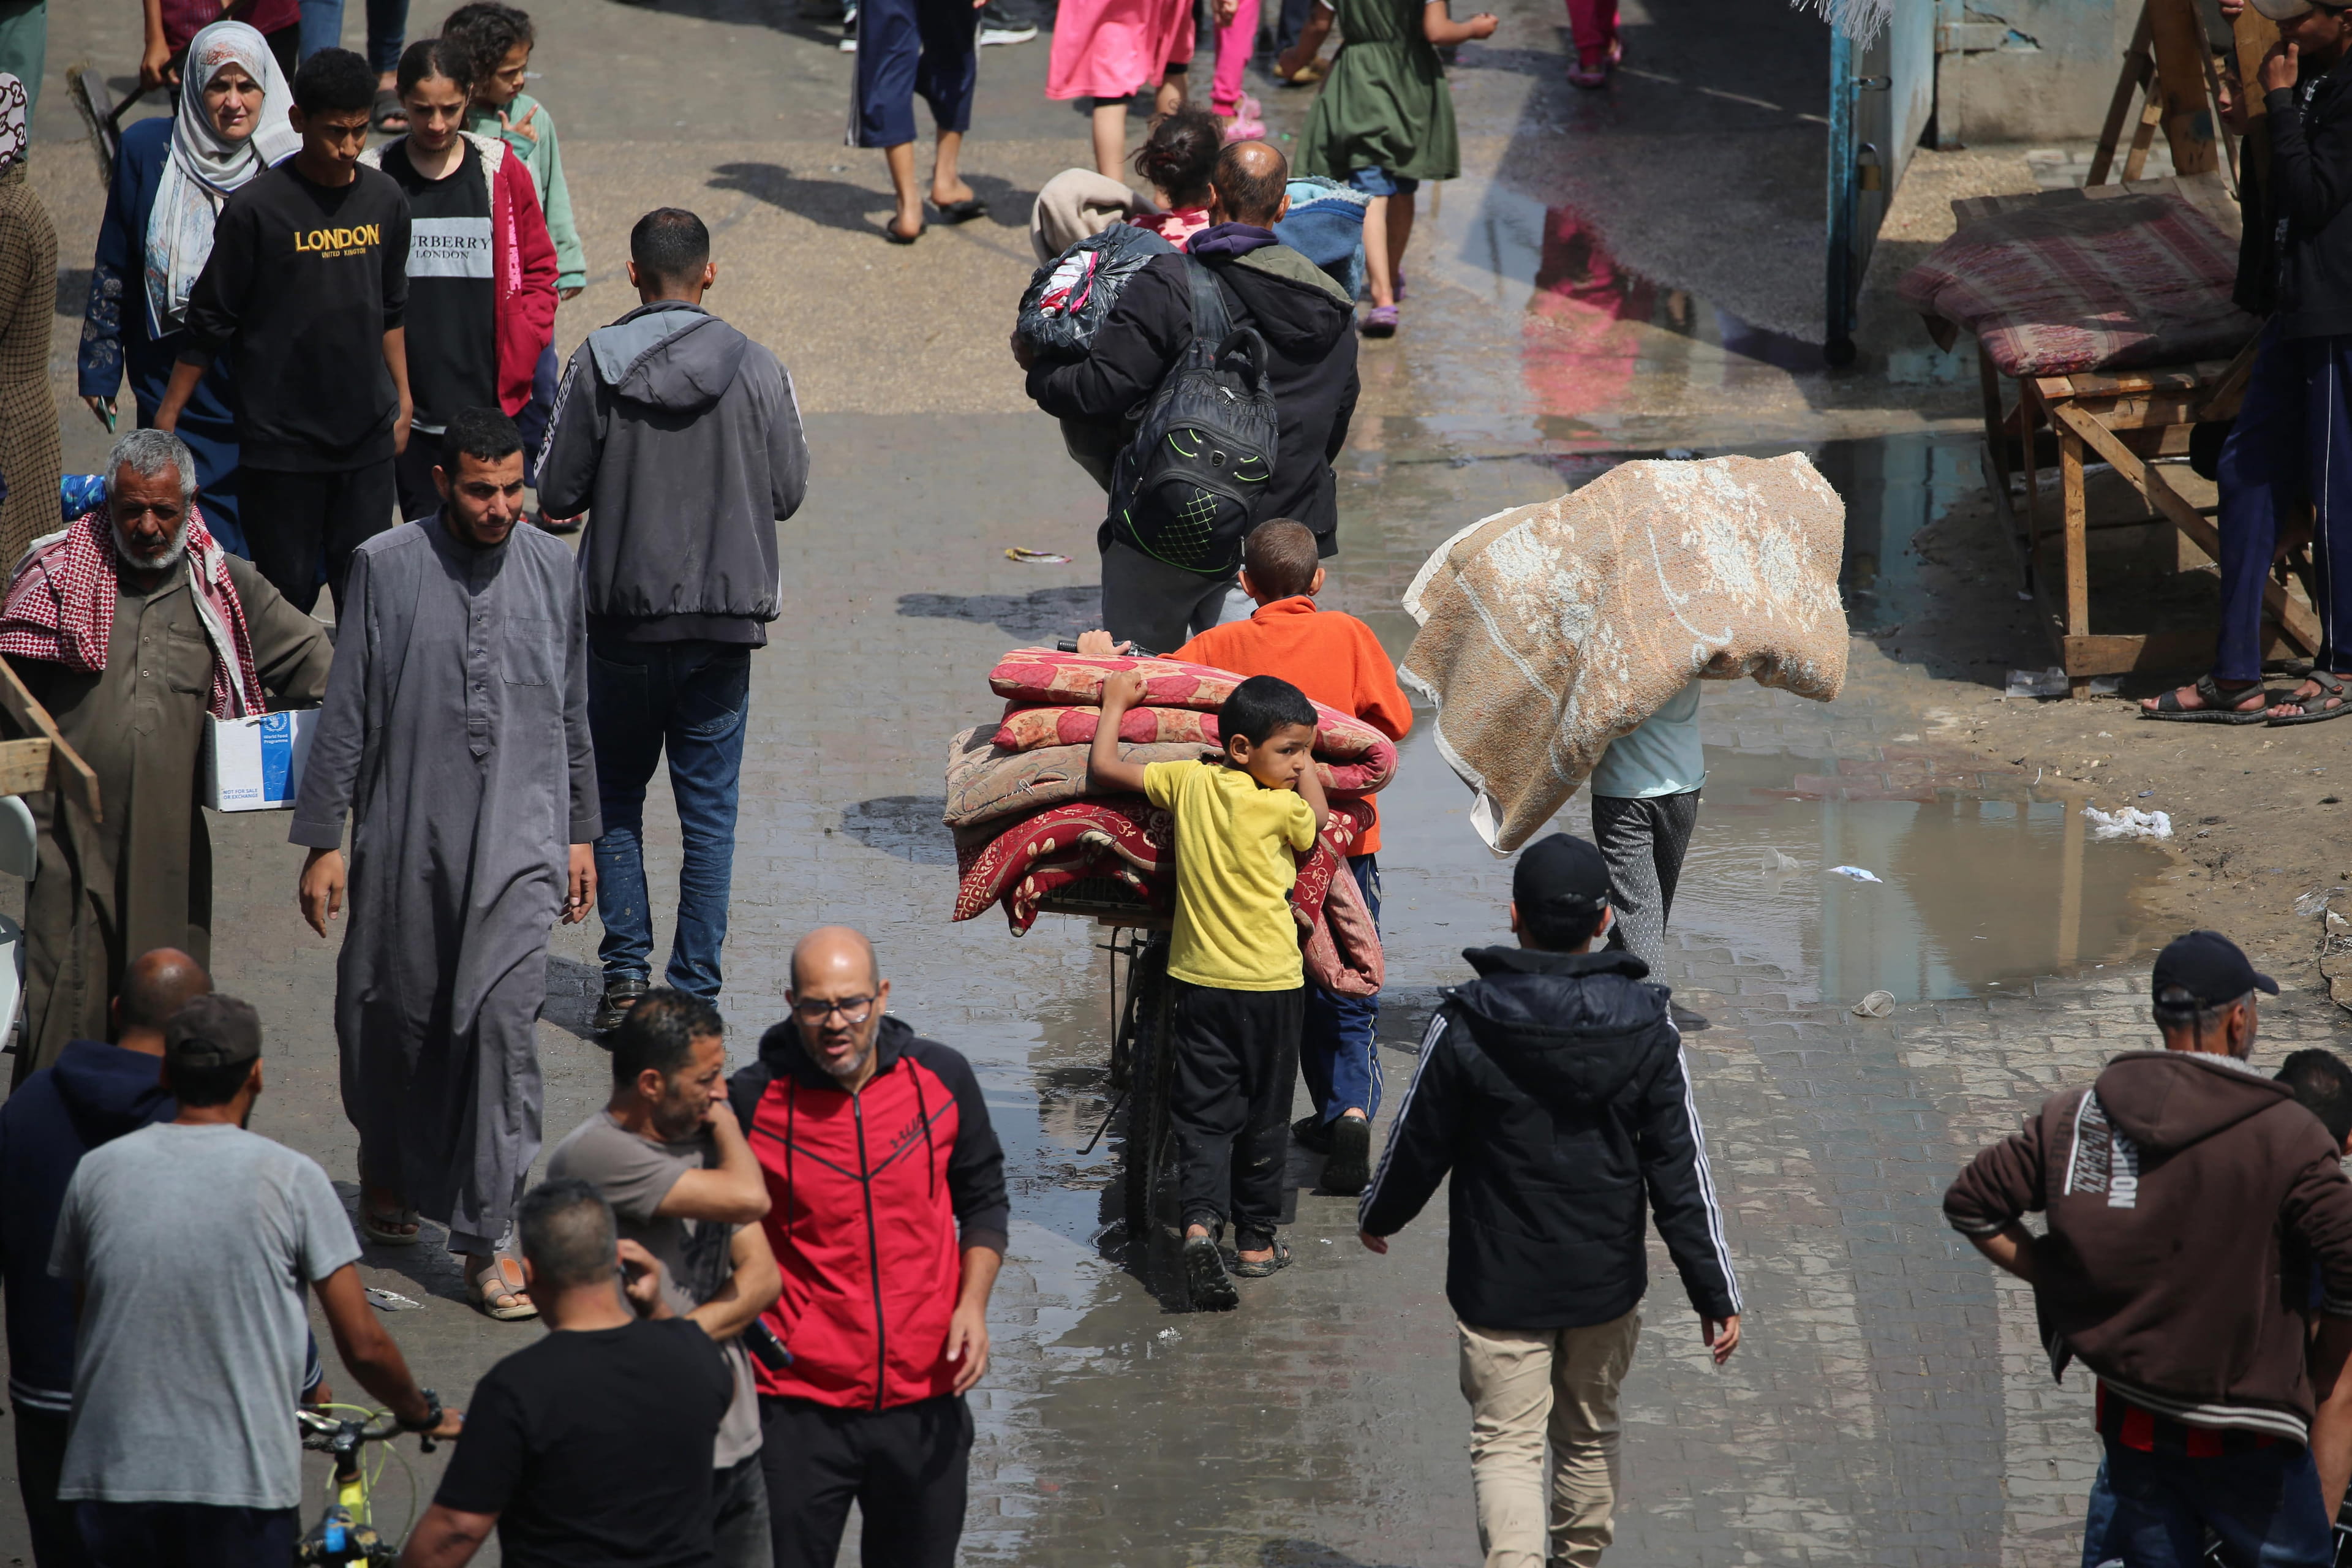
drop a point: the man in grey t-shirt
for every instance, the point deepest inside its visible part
(667, 1153)
(189, 1244)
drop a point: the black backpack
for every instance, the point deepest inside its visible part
(1189, 486)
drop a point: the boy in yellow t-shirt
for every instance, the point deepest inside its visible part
(1240, 988)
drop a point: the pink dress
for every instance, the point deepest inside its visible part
(1115, 48)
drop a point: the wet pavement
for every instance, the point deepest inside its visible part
(1624, 275)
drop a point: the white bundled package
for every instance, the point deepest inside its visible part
(255, 764)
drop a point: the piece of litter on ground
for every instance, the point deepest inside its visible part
(2105, 686)
(2130, 822)
(1878, 1005)
(2145, 793)
(2050, 682)
(1325, 1240)
(1856, 872)
(2317, 900)
(1035, 557)
(392, 1300)
(1776, 862)
(1164, 1333)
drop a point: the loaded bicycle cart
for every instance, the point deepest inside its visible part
(1032, 839)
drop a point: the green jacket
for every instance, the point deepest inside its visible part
(540, 155)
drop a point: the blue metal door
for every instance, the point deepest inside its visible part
(1882, 95)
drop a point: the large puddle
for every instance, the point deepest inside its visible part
(1976, 893)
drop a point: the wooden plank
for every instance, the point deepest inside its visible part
(2152, 652)
(24, 766)
(2076, 515)
(2139, 66)
(2292, 616)
(1989, 385)
(66, 769)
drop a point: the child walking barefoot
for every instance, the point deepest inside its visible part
(1383, 122)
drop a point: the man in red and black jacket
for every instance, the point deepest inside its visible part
(887, 1216)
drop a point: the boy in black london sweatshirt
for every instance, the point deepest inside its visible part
(306, 283)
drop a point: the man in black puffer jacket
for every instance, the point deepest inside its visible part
(1308, 324)
(1552, 1088)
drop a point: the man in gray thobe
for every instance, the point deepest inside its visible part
(456, 733)
(104, 626)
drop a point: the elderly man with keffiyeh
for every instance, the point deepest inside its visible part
(132, 626)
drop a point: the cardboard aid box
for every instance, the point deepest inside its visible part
(255, 764)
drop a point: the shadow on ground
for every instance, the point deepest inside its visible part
(1041, 613)
(906, 826)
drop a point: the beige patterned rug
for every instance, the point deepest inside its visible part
(1548, 630)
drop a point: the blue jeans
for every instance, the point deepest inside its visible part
(387, 25)
(2263, 1505)
(689, 698)
(2295, 422)
(1336, 1053)
(322, 26)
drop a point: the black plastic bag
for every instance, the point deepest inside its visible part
(1071, 297)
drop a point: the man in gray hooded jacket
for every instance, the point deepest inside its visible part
(681, 439)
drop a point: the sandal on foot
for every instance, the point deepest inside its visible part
(1206, 1284)
(2219, 706)
(962, 211)
(377, 1225)
(387, 106)
(1380, 322)
(890, 231)
(1244, 1270)
(1349, 1170)
(2334, 701)
(501, 1281)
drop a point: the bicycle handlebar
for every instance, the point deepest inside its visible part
(381, 1427)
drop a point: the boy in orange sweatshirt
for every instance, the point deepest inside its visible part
(1336, 660)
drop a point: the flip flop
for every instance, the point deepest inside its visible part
(2329, 686)
(387, 106)
(2217, 709)
(375, 1224)
(1244, 1270)
(494, 1283)
(895, 237)
(962, 211)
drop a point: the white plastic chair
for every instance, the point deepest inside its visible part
(19, 856)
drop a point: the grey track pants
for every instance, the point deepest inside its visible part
(1643, 841)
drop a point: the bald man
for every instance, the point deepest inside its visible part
(887, 1219)
(91, 1095)
(1157, 592)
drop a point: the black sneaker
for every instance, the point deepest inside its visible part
(1312, 1133)
(1349, 1168)
(997, 25)
(620, 995)
(1206, 1283)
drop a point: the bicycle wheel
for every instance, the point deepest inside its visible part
(1148, 1140)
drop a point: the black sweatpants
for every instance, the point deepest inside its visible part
(40, 1462)
(296, 523)
(905, 1467)
(1229, 1102)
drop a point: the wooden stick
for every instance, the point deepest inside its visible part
(2138, 67)
(66, 769)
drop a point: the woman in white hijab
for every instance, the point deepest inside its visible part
(170, 180)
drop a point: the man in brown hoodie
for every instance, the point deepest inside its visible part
(2173, 1186)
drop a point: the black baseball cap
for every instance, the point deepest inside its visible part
(2210, 967)
(1561, 876)
(213, 1031)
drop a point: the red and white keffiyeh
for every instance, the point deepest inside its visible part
(61, 607)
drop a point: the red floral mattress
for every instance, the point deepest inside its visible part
(2104, 284)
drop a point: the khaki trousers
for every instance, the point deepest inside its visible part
(1526, 1384)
